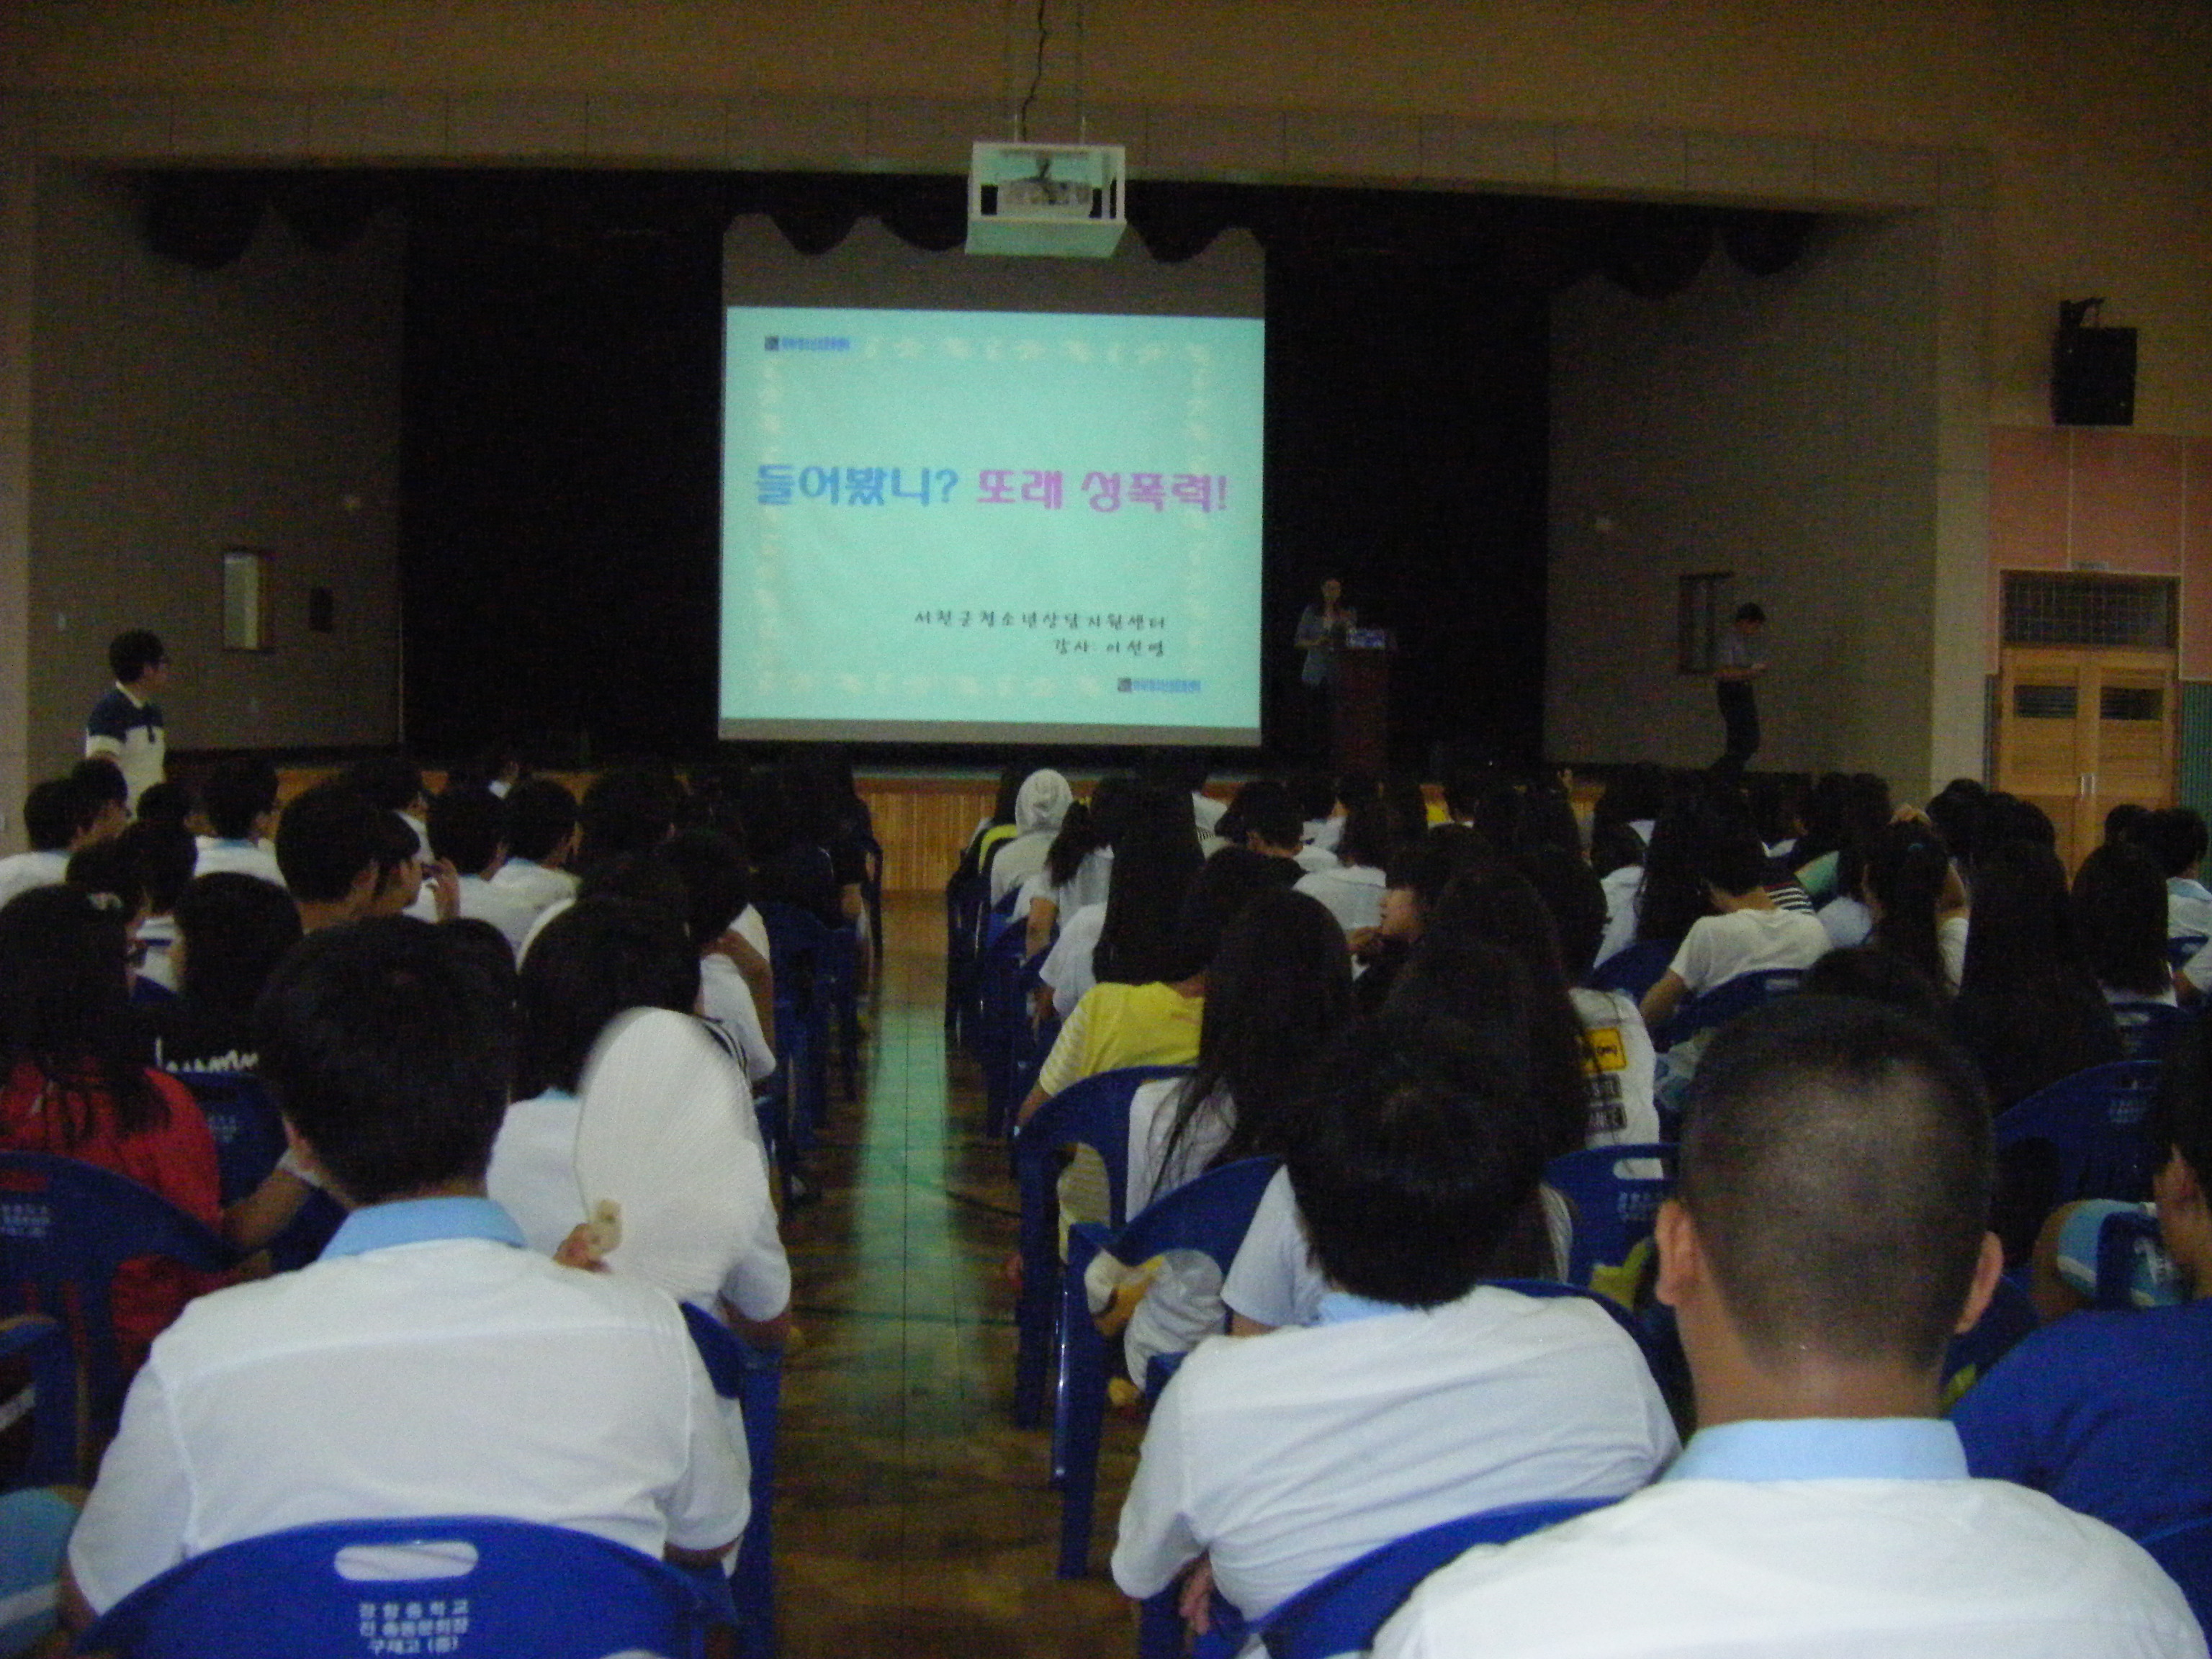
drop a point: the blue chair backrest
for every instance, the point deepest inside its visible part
(1092, 1112)
(42, 1347)
(248, 1131)
(2148, 1028)
(2180, 948)
(1635, 967)
(1341, 1613)
(1614, 1206)
(469, 1585)
(1210, 1213)
(2186, 1552)
(755, 1381)
(65, 1227)
(2094, 1121)
(1725, 1001)
(2010, 1316)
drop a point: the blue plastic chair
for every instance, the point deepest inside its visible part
(1724, 1002)
(2148, 1028)
(1209, 1214)
(42, 1345)
(2009, 1317)
(2093, 1122)
(2185, 1551)
(1341, 1613)
(1001, 1024)
(755, 1381)
(820, 966)
(548, 1592)
(1093, 1112)
(1613, 1206)
(248, 1131)
(1635, 967)
(65, 1227)
(964, 898)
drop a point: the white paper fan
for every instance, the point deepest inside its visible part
(661, 1137)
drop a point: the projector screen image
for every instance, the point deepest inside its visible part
(970, 525)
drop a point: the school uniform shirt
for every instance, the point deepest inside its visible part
(1822, 1539)
(2110, 1413)
(1206, 811)
(218, 855)
(1352, 892)
(480, 901)
(1718, 949)
(427, 1364)
(20, 872)
(1066, 968)
(725, 1002)
(534, 884)
(1284, 1456)
(2188, 908)
(129, 731)
(1951, 943)
(1323, 834)
(1182, 1306)
(1621, 1065)
(1274, 1280)
(157, 938)
(1848, 920)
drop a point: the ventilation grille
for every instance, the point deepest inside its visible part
(2128, 612)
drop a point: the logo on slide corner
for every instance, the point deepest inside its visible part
(1175, 688)
(802, 343)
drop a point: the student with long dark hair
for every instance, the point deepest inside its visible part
(1905, 875)
(2028, 1009)
(2120, 917)
(1155, 859)
(1278, 991)
(77, 1083)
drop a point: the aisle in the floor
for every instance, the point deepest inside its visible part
(912, 1518)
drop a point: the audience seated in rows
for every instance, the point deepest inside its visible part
(1825, 1241)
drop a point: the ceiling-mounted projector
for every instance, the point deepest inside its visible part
(1061, 201)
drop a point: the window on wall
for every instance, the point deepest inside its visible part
(1700, 601)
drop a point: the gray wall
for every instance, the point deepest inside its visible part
(175, 412)
(1783, 428)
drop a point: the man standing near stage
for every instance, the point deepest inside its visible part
(1739, 664)
(125, 724)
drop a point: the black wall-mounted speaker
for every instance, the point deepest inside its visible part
(2092, 377)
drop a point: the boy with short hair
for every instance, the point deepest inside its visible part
(125, 724)
(240, 799)
(59, 815)
(330, 843)
(541, 842)
(1422, 1395)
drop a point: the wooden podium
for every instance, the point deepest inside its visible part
(1359, 706)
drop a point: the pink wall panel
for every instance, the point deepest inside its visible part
(2028, 488)
(2127, 494)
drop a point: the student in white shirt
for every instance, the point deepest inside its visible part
(125, 725)
(428, 1364)
(602, 958)
(330, 845)
(737, 985)
(468, 834)
(1352, 885)
(1422, 1394)
(240, 800)
(1077, 868)
(1825, 1240)
(541, 842)
(1748, 934)
(1618, 1057)
(1914, 901)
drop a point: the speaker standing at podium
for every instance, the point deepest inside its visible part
(1321, 631)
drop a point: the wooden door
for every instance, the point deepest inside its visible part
(2080, 730)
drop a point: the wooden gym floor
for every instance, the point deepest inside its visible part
(912, 1518)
